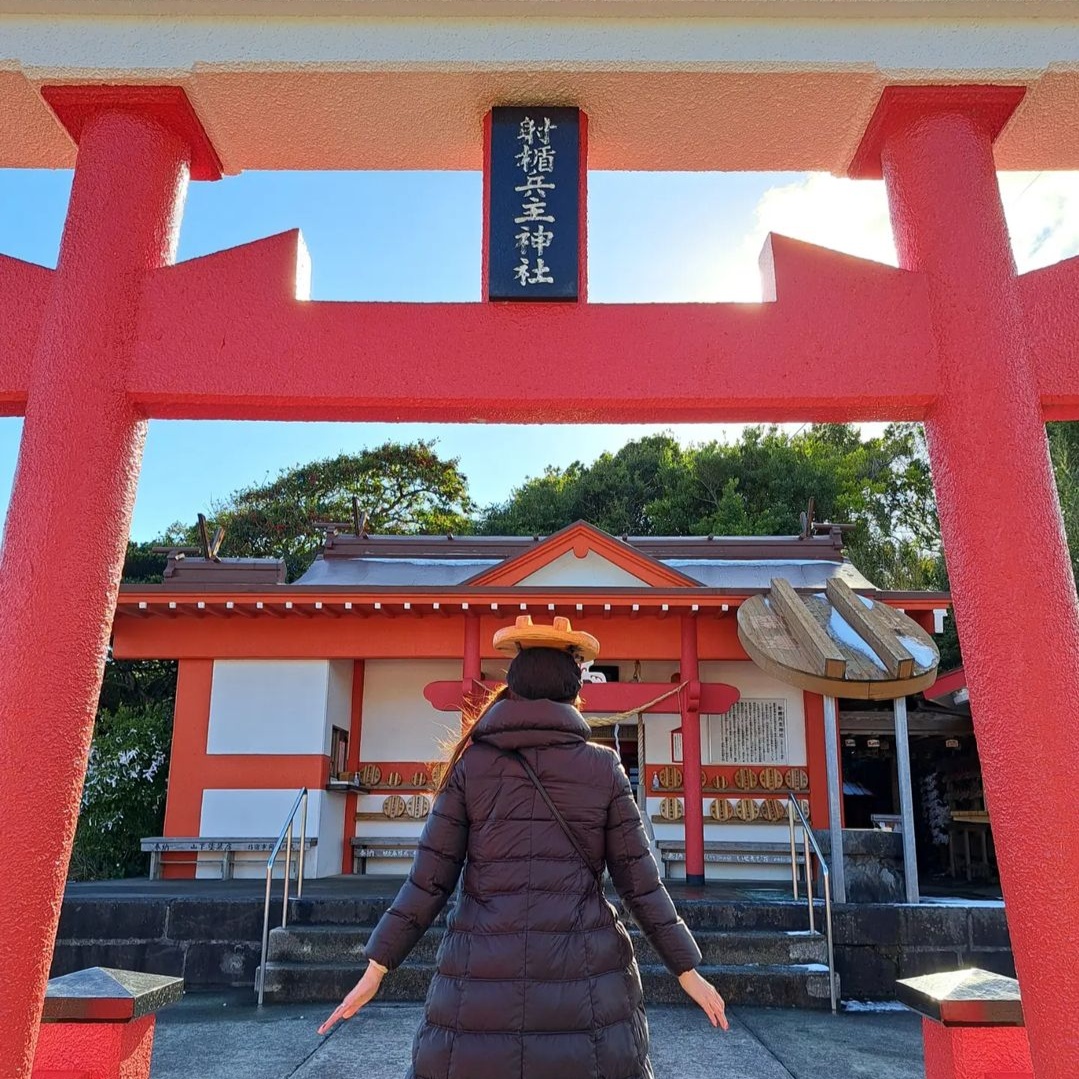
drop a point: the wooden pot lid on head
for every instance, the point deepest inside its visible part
(837, 642)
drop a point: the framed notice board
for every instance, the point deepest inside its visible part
(533, 204)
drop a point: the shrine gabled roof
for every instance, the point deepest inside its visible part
(577, 558)
(467, 562)
(581, 540)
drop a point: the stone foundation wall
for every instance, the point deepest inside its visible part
(875, 944)
(214, 943)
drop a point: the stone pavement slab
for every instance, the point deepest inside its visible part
(858, 1045)
(219, 1037)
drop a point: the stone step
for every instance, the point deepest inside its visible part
(345, 945)
(757, 985)
(698, 914)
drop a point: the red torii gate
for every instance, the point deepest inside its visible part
(116, 336)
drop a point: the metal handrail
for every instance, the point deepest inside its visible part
(809, 842)
(284, 839)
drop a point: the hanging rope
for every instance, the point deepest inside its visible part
(608, 721)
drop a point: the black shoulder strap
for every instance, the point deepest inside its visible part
(557, 815)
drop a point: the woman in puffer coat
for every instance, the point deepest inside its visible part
(536, 977)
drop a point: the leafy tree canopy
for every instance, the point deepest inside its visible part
(757, 485)
(123, 797)
(403, 488)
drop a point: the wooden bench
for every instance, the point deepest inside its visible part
(396, 847)
(223, 848)
(747, 853)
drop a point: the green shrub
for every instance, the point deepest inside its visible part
(124, 796)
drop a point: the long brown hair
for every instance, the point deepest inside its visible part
(470, 716)
(533, 674)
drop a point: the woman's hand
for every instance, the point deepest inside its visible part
(360, 994)
(707, 996)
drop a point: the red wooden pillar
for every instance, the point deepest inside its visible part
(1014, 597)
(472, 664)
(691, 752)
(67, 530)
(816, 762)
(975, 1052)
(355, 733)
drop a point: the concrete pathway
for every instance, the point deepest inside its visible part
(226, 1037)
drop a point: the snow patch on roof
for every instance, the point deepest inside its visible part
(402, 572)
(758, 573)
(923, 655)
(842, 631)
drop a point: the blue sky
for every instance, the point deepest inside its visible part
(416, 236)
(400, 236)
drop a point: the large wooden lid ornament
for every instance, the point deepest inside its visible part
(560, 634)
(837, 643)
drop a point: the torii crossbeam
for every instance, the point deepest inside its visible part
(116, 335)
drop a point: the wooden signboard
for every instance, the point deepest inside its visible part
(533, 204)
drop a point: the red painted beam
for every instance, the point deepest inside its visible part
(225, 337)
(608, 697)
(1051, 314)
(25, 288)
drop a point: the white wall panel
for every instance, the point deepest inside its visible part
(571, 571)
(261, 814)
(753, 683)
(339, 698)
(268, 706)
(399, 724)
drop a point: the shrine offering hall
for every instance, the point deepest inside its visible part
(351, 681)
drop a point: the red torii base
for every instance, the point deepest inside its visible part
(955, 338)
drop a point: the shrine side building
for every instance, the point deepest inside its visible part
(351, 680)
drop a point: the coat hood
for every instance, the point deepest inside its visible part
(515, 724)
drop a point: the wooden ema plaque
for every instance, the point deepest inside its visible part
(837, 643)
(731, 811)
(397, 807)
(765, 779)
(400, 776)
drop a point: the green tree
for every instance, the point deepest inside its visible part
(612, 493)
(124, 795)
(757, 485)
(403, 488)
(1064, 453)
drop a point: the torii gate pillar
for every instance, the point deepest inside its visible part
(1015, 599)
(68, 523)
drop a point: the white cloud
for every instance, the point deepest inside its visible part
(851, 216)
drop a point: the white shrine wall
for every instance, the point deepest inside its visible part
(277, 706)
(288, 707)
(398, 724)
(274, 709)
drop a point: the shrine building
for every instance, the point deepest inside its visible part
(351, 680)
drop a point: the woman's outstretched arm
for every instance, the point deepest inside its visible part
(636, 876)
(431, 881)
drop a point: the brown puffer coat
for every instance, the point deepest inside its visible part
(535, 979)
